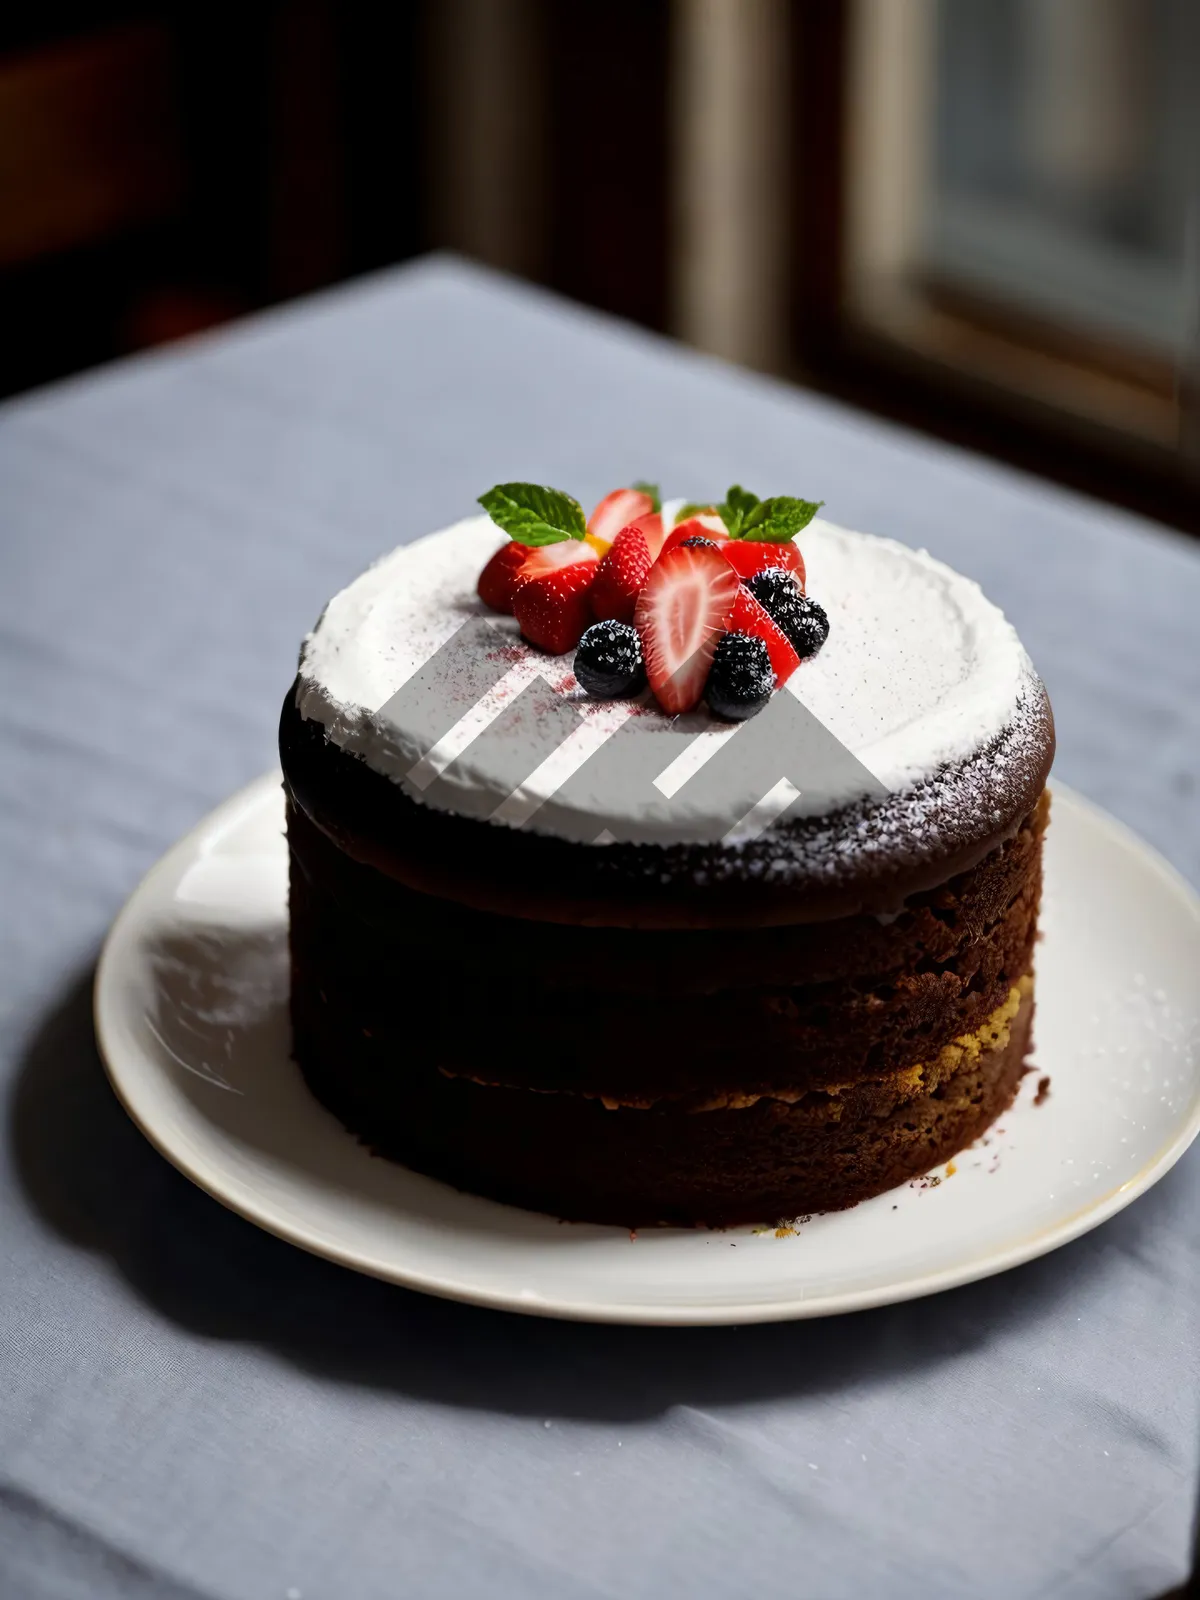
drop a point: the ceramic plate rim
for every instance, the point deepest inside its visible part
(988, 1264)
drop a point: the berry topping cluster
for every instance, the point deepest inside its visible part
(707, 605)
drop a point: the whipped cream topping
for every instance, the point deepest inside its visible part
(920, 672)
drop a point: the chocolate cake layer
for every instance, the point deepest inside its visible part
(871, 857)
(641, 1015)
(639, 1034)
(573, 1157)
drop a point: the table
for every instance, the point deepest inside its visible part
(190, 1408)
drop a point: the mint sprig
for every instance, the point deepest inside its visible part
(652, 490)
(534, 515)
(694, 508)
(735, 508)
(772, 521)
(779, 519)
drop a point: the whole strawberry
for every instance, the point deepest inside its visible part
(621, 575)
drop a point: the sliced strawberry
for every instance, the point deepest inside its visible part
(751, 616)
(622, 573)
(651, 528)
(748, 556)
(680, 614)
(617, 510)
(707, 525)
(495, 586)
(544, 558)
(551, 603)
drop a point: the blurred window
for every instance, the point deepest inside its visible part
(1025, 194)
(1062, 146)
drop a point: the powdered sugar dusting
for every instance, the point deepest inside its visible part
(920, 679)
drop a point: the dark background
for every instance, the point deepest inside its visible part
(167, 169)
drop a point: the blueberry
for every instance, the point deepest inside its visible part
(741, 679)
(608, 662)
(697, 541)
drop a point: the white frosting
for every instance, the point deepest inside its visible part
(919, 670)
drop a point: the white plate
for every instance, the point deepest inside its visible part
(191, 1017)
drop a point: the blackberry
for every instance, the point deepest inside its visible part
(802, 619)
(741, 679)
(697, 541)
(805, 624)
(608, 662)
(774, 586)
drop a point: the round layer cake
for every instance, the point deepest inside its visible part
(595, 959)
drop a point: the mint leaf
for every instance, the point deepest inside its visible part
(779, 519)
(651, 489)
(735, 508)
(694, 508)
(533, 515)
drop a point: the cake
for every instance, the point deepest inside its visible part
(680, 864)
